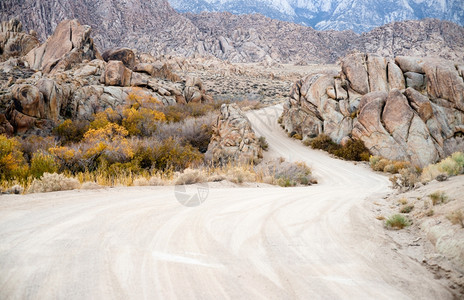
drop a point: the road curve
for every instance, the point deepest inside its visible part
(318, 242)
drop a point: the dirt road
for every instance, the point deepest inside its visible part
(318, 242)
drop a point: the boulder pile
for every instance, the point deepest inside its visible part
(407, 108)
(66, 77)
(233, 139)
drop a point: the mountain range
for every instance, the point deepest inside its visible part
(357, 15)
(155, 27)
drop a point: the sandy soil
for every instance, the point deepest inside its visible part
(317, 242)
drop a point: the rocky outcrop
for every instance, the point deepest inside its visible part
(70, 44)
(194, 91)
(67, 84)
(125, 55)
(233, 138)
(153, 26)
(404, 109)
(13, 41)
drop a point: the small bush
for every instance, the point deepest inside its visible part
(407, 178)
(71, 131)
(429, 213)
(323, 142)
(12, 162)
(190, 176)
(297, 136)
(353, 150)
(452, 166)
(438, 197)
(406, 209)
(41, 163)
(53, 182)
(457, 217)
(397, 221)
(263, 143)
(287, 174)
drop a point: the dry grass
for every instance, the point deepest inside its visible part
(397, 222)
(438, 197)
(53, 182)
(457, 217)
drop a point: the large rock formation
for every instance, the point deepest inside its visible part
(13, 41)
(153, 26)
(404, 109)
(70, 44)
(70, 80)
(233, 138)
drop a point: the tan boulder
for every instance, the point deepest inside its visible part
(408, 130)
(28, 100)
(233, 139)
(69, 44)
(145, 68)
(125, 55)
(116, 74)
(410, 64)
(354, 68)
(395, 76)
(420, 103)
(444, 82)
(377, 71)
(14, 42)
(368, 128)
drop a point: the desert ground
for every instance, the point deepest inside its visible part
(317, 242)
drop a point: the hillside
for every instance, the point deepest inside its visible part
(157, 28)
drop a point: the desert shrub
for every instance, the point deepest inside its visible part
(324, 142)
(12, 162)
(406, 209)
(166, 154)
(263, 143)
(71, 131)
(41, 163)
(458, 157)
(141, 115)
(33, 143)
(190, 176)
(397, 221)
(240, 174)
(141, 181)
(353, 150)
(53, 182)
(285, 173)
(106, 144)
(90, 185)
(451, 166)
(438, 197)
(406, 178)
(457, 217)
(178, 113)
(297, 136)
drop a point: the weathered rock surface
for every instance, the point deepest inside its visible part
(408, 109)
(153, 26)
(233, 138)
(125, 55)
(13, 41)
(71, 80)
(70, 44)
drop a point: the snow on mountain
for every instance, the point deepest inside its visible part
(358, 15)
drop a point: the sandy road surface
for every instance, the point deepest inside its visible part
(318, 242)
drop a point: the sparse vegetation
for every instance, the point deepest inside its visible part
(438, 197)
(352, 150)
(397, 221)
(406, 209)
(457, 217)
(263, 143)
(53, 182)
(451, 166)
